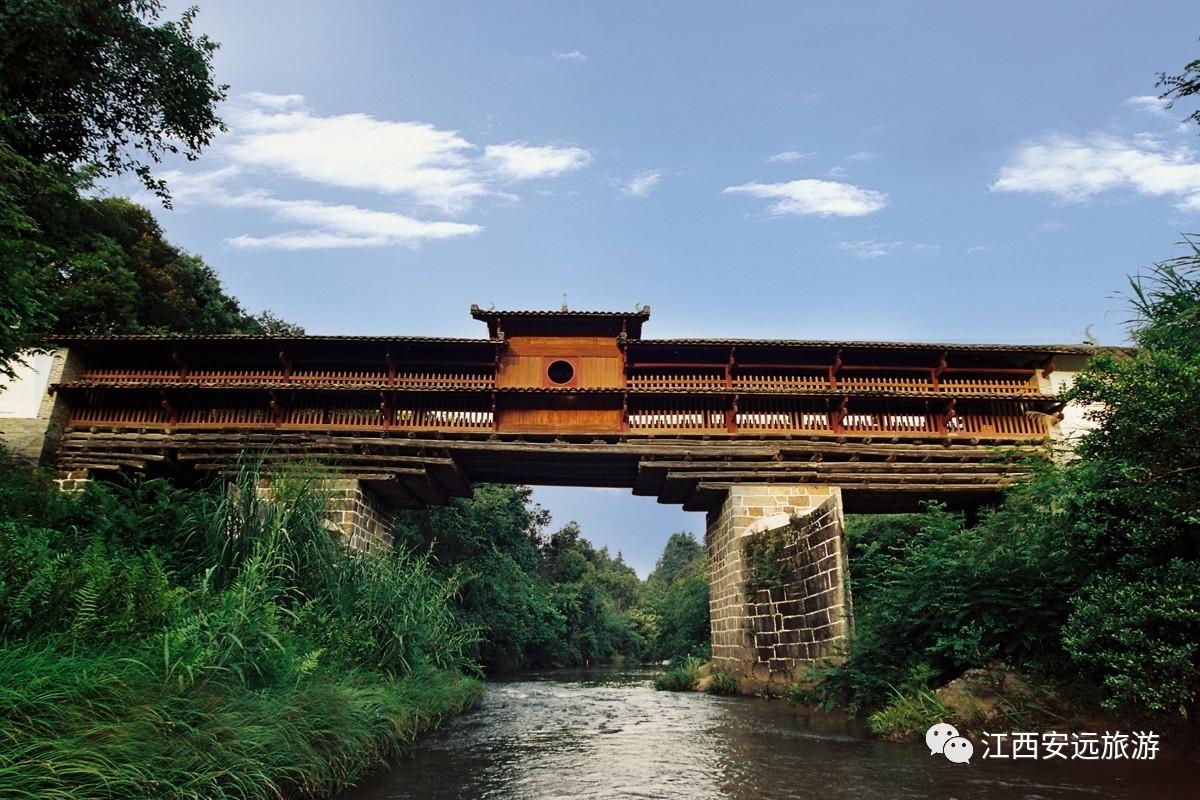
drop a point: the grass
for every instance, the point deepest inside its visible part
(237, 652)
(996, 697)
(104, 725)
(683, 677)
(909, 714)
(721, 682)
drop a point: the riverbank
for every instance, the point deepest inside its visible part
(164, 643)
(101, 725)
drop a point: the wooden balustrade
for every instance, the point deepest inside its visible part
(118, 376)
(774, 382)
(1000, 419)
(444, 414)
(403, 379)
(666, 382)
(439, 413)
(438, 380)
(677, 414)
(989, 386)
(783, 414)
(778, 381)
(784, 382)
(761, 414)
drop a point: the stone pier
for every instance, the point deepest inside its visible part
(779, 591)
(365, 522)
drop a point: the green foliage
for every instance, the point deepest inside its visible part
(1087, 571)
(682, 558)
(1131, 501)
(933, 598)
(537, 601)
(721, 682)
(26, 302)
(681, 619)
(765, 557)
(1185, 84)
(102, 83)
(676, 602)
(1141, 635)
(909, 714)
(90, 89)
(682, 677)
(257, 657)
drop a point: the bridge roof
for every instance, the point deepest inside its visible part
(1065, 349)
(252, 337)
(629, 321)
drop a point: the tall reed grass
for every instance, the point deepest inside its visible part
(253, 656)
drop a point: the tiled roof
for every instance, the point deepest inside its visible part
(486, 313)
(1073, 349)
(247, 337)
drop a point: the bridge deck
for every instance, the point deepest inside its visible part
(413, 470)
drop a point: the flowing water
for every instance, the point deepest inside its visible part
(605, 733)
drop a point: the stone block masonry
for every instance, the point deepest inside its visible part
(353, 514)
(764, 634)
(35, 440)
(360, 516)
(72, 482)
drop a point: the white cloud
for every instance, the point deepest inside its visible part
(415, 165)
(574, 55)
(816, 197)
(790, 157)
(1073, 169)
(342, 225)
(356, 151)
(874, 248)
(521, 162)
(278, 102)
(642, 183)
(862, 155)
(869, 248)
(1151, 104)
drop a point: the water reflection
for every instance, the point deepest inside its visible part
(607, 733)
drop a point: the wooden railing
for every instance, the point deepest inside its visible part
(666, 382)
(1000, 419)
(651, 414)
(753, 414)
(784, 382)
(780, 383)
(403, 379)
(783, 414)
(414, 414)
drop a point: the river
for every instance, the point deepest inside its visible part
(605, 733)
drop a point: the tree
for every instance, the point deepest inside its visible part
(122, 276)
(1185, 84)
(682, 557)
(90, 88)
(1134, 491)
(104, 84)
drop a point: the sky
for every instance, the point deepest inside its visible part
(914, 171)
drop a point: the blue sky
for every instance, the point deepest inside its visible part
(930, 171)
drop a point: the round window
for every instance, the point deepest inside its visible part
(560, 372)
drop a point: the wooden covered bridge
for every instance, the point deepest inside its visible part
(754, 432)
